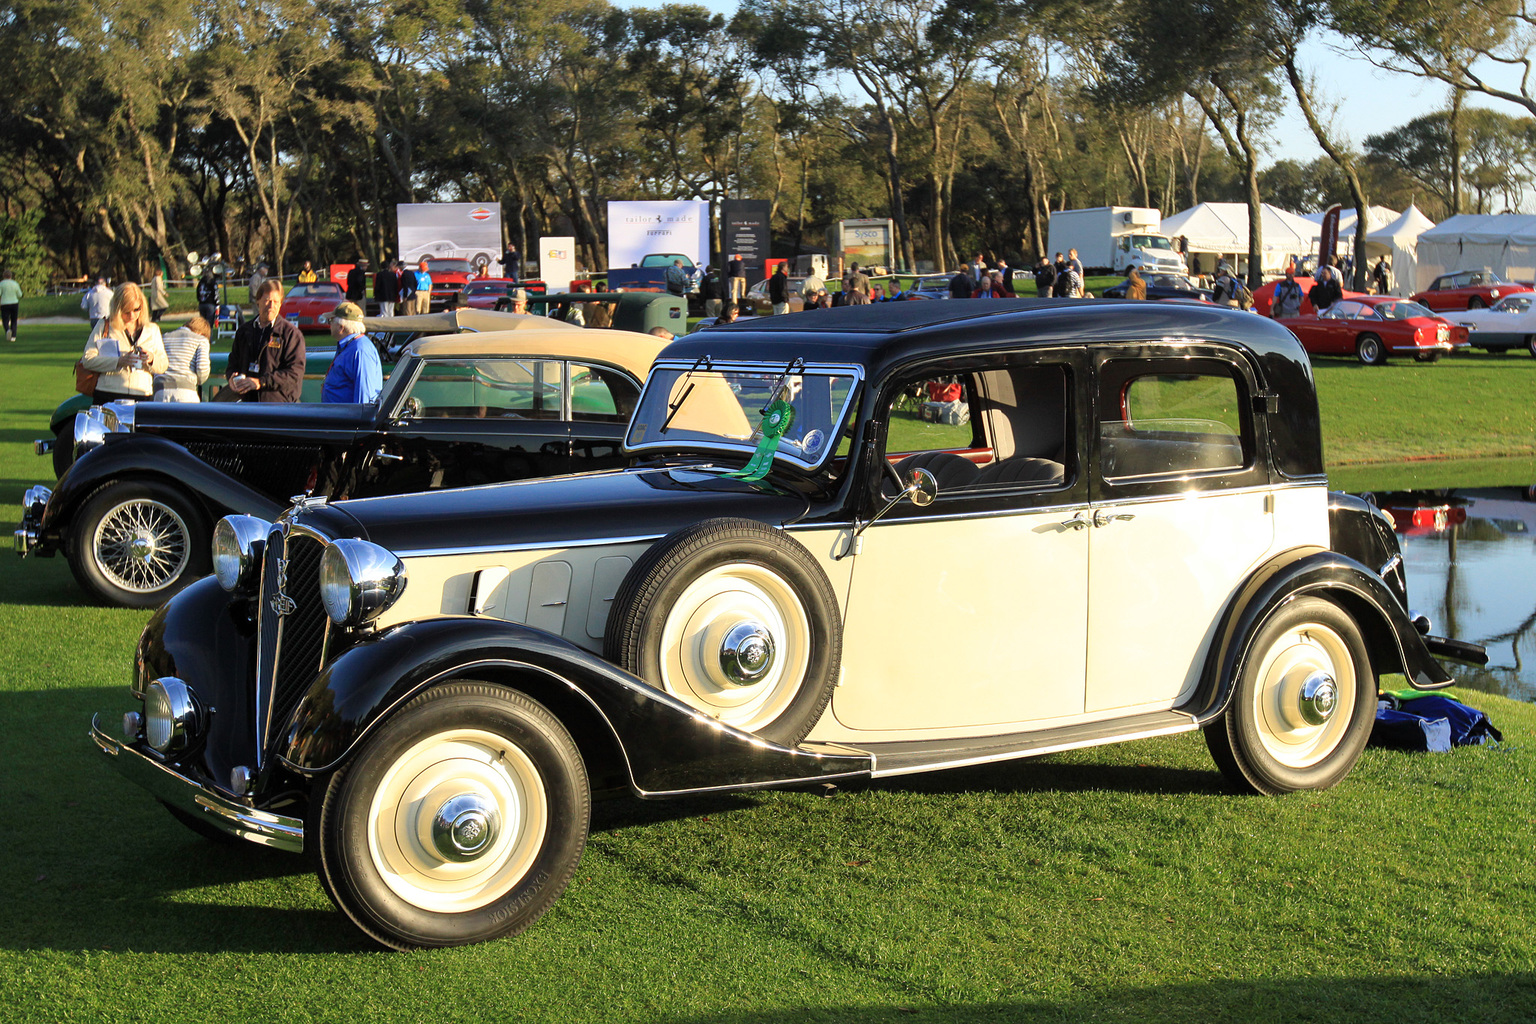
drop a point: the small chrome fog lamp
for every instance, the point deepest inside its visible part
(238, 542)
(173, 718)
(358, 580)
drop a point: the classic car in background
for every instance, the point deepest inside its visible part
(1264, 296)
(135, 511)
(757, 302)
(1467, 289)
(1508, 324)
(930, 286)
(495, 293)
(449, 276)
(390, 334)
(1163, 286)
(1373, 327)
(309, 306)
(1131, 531)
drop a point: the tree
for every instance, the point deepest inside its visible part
(22, 252)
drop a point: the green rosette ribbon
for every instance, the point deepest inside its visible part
(777, 419)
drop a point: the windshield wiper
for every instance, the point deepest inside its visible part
(675, 407)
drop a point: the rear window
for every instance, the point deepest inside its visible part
(1174, 424)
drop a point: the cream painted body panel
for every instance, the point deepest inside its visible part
(967, 622)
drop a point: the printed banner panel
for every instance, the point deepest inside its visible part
(557, 261)
(470, 231)
(637, 229)
(744, 232)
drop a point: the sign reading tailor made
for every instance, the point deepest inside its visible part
(557, 262)
(637, 229)
(470, 231)
(744, 233)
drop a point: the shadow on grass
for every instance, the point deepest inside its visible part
(1403, 999)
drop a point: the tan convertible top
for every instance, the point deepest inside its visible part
(450, 321)
(628, 350)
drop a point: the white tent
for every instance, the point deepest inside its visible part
(1376, 218)
(1222, 229)
(1505, 242)
(1398, 242)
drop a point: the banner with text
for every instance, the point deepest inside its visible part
(470, 231)
(637, 229)
(744, 232)
(557, 262)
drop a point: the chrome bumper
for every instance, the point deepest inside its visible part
(43, 446)
(32, 505)
(187, 795)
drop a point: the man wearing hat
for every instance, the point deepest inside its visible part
(519, 300)
(356, 375)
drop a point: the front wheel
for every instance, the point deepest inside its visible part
(1476, 303)
(461, 820)
(1369, 350)
(1303, 706)
(1427, 357)
(1530, 344)
(136, 542)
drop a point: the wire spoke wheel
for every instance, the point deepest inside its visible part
(136, 542)
(141, 545)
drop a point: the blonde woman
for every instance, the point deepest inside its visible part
(125, 348)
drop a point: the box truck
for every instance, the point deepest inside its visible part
(1112, 239)
(868, 241)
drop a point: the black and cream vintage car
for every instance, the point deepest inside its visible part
(135, 512)
(1116, 525)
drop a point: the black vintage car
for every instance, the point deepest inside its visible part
(1163, 286)
(1119, 529)
(135, 512)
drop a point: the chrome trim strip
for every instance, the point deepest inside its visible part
(176, 790)
(1013, 755)
(1390, 565)
(586, 542)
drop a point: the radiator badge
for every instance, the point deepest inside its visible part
(281, 603)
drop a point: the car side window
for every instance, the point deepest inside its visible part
(601, 395)
(487, 389)
(1172, 424)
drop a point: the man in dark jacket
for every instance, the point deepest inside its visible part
(386, 289)
(1045, 278)
(778, 290)
(960, 284)
(208, 296)
(266, 360)
(405, 289)
(357, 282)
(511, 263)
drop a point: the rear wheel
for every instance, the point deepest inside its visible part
(1427, 357)
(1476, 303)
(1530, 344)
(1369, 350)
(136, 542)
(462, 819)
(1303, 706)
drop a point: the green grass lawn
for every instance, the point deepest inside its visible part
(1116, 884)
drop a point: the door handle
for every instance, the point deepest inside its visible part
(1077, 522)
(1101, 518)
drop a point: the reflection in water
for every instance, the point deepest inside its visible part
(1471, 561)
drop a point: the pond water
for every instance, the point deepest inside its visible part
(1471, 562)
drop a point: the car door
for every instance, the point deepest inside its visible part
(600, 400)
(971, 612)
(1182, 514)
(473, 420)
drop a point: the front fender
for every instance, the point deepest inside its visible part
(665, 746)
(145, 456)
(66, 411)
(1392, 641)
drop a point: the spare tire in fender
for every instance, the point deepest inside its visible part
(734, 618)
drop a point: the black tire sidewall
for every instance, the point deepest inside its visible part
(354, 880)
(1260, 770)
(82, 554)
(1375, 344)
(63, 448)
(640, 609)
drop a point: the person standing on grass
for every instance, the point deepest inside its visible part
(1045, 278)
(186, 355)
(10, 304)
(208, 296)
(737, 276)
(357, 281)
(125, 349)
(257, 279)
(308, 275)
(423, 288)
(266, 359)
(511, 263)
(711, 290)
(386, 289)
(677, 279)
(405, 285)
(97, 302)
(356, 376)
(159, 302)
(1287, 300)
(1077, 268)
(1135, 285)
(961, 286)
(778, 290)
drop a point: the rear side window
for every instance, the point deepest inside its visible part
(1174, 424)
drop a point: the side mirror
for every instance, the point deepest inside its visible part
(922, 488)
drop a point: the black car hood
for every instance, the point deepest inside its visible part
(277, 417)
(631, 503)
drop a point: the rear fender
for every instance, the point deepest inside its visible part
(1392, 642)
(630, 732)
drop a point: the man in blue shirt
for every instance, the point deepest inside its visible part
(356, 375)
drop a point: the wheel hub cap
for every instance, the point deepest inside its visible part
(141, 548)
(1318, 697)
(746, 653)
(464, 827)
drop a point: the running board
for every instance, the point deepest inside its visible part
(928, 755)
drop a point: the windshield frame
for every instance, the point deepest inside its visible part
(748, 448)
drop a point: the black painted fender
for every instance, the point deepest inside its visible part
(147, 457)
(655, 744)
(1392, 641)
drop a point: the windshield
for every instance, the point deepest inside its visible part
(1400, 310)
(1513, 304)
(1150, 242)
(450, 266)
(719, 407)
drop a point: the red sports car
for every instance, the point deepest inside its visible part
(494, 292)
(1264, 296)
(305, 304)
(449, 276)
(1467, 289)
(1372, 327)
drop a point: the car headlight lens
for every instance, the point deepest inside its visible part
(118, 417)
(358, 581)
(90, 432)
(238, 542)
(173, 719)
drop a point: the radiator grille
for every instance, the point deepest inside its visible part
(272, 469)
(292, 645)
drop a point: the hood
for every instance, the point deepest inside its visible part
(176, 420)
(631, 503)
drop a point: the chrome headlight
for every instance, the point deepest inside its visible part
(118, 417)
(358, 580)
(90, 432)
(173, 718)
(238, 542)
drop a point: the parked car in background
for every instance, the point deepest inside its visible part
(1163, 286)
(495, 292)
(1123, 530)
(930, 286)
(757, 302)
(1467, 289)
(1509, 323)
(135, 512)
(309, 306)
(1373, 327)
(1264, 296)
(449, 276)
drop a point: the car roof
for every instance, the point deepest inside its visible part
(466, 318)
(629, 350)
